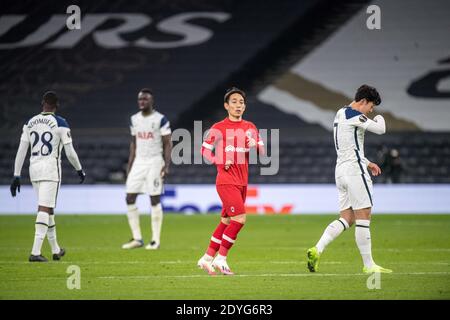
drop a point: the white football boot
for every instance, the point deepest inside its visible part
(152, 246)
(132, 244)
(206, 265)
(223, 267)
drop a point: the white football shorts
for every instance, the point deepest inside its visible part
(355, 192)
(146, 178)
(47, 192)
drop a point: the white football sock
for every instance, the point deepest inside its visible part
(157, 219)
(207, 257)
(220, 257)
(333, 230)
(362, 236)
(40, 227)
(133, 221)
(51, 234)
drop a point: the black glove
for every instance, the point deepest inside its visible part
(15, 186)
(82, 175)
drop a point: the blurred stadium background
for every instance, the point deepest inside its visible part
(299, 61)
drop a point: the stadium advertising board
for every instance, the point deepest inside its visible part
(261, 199)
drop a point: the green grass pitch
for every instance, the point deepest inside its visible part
(268, 258)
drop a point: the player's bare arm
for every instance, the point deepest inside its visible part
(167, 150)
(132, 155)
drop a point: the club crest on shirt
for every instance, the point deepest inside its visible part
(362, 118)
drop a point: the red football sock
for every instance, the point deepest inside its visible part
(216, 239)
(229, 237)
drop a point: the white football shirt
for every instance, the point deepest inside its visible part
(349, 129)
(148, 131)
(46, 133)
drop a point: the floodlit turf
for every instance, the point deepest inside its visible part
(269, 260)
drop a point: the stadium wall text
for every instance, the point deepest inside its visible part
(261, 199)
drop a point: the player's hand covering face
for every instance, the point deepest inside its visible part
(235, 105)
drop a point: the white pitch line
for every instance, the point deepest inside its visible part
(413, 249)
(281, 275)
(168, 262)
(274, 275)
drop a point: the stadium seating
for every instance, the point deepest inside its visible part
(426, 159)
(103, 83)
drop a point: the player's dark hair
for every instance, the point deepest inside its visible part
(50, 98)
(232, 90)
(369, 93)
(146, 90)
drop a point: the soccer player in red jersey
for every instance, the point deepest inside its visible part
(227, 145)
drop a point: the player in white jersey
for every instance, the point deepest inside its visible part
(45, 134)
(352, 177)
(148, 164)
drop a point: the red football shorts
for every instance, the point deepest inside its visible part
(233, 199)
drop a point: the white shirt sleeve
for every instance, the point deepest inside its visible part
(72, 156)
(132, 127)
(65, 135)
(360, 121)
(25, 137)
(377, 125)
(20, 157)
(165, 127)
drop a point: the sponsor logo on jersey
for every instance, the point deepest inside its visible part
(362, 118)
(231, 148)
(145, 135)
